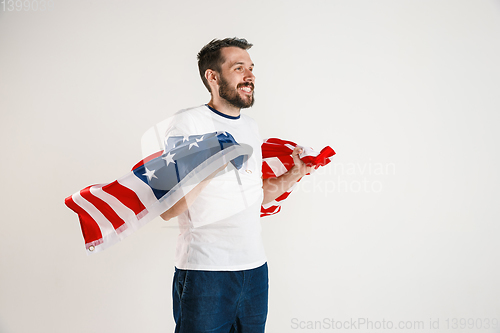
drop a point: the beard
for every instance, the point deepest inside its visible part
(232, 96)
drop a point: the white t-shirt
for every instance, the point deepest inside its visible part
(221, 229)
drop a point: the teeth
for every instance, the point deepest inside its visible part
(247, 89)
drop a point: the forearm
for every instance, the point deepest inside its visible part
(274, 187)
(185, 202)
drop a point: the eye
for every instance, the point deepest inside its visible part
(239, 69)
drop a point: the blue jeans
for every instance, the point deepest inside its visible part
(220, 301)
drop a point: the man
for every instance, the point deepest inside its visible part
(220, 282)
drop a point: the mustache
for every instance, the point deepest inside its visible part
(246, 84)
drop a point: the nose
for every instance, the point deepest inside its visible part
(249, 76)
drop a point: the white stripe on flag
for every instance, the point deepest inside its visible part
(103, 223)
(270, 204)
(309, 152)
(276, 165)
(125, 213)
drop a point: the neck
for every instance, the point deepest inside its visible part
(223, 106)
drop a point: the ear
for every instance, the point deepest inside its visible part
(211, 76)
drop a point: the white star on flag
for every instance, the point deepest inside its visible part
(150, 174)
(186, 138)
(223, 132)
(200, 139)
(194, 144)
(169, 158)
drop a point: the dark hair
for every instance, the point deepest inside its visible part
(210, 57)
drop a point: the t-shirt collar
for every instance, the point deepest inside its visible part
(222, 114)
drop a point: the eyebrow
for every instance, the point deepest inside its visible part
(241, 63)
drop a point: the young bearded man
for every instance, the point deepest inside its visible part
(221, 280)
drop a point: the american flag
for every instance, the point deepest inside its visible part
(110, 212)
(277, 159)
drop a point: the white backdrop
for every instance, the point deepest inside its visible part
(401, 229)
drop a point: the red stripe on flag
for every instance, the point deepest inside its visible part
(125, 195)
(90, 228)
(103, 207)
(269, 211)
(267, 172)
(283, 196)
(274, 150)
(323, 157)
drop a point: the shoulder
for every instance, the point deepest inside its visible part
(190, 116)
(190, 113)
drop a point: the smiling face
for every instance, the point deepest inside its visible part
(236, 84)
